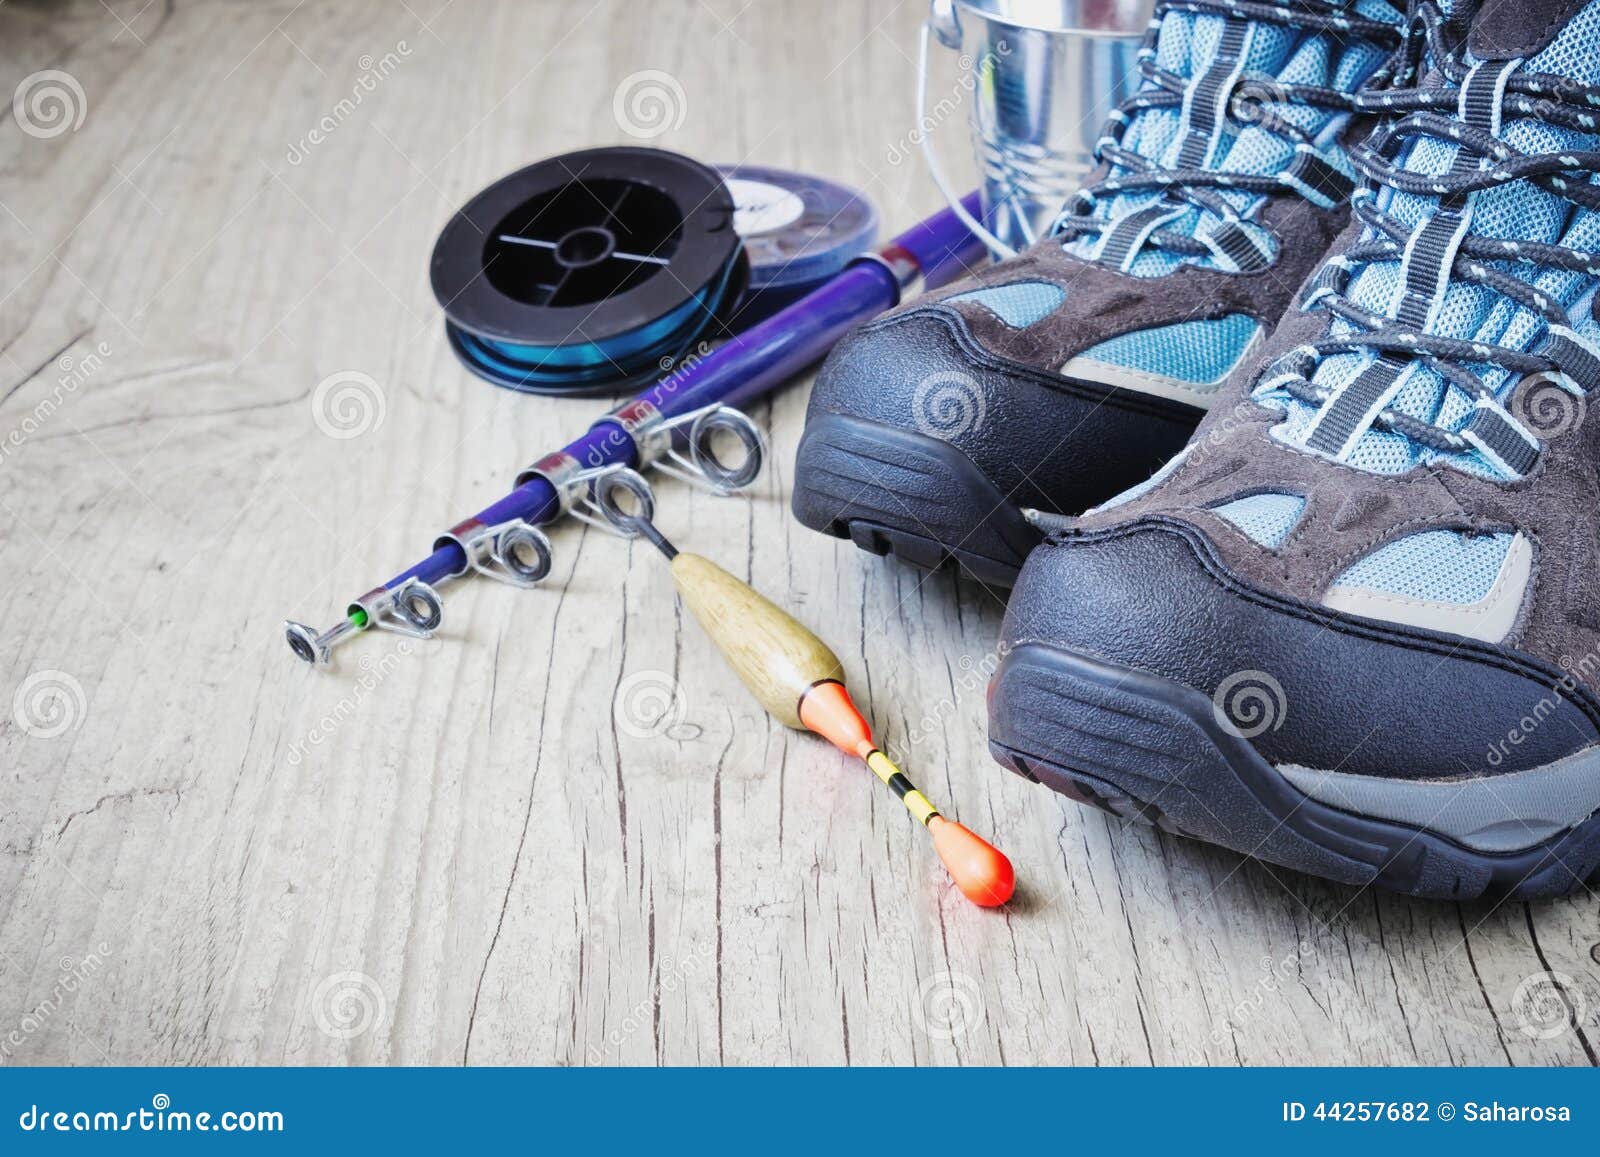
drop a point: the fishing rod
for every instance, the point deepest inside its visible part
(670, 427)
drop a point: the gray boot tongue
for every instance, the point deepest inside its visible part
(1507, 29)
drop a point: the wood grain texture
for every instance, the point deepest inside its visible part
(777, 657)
(495, 849)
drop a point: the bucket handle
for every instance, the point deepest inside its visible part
(999, 248)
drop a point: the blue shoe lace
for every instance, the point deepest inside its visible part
(1196, 205)
(1349, 383)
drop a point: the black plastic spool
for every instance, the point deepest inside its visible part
(590, 272)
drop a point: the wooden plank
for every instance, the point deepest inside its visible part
(471, 851)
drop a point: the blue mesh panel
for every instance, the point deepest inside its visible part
(1267, 518)
(1517, 211)
(1383, 452)
(1185, 45)
(1440, 565)
(1191, 351)
(1019, 304)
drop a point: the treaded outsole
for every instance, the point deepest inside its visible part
(900, 492)
(1146, 748)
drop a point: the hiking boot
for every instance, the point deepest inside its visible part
(1068, 373)
(1354, 628)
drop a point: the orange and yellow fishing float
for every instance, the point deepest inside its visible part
(799, 681)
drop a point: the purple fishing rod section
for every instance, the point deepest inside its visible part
(739, 371)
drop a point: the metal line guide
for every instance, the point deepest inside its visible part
(517, 552)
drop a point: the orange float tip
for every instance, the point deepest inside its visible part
(826, 709)
(979, 869)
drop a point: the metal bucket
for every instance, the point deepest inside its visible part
(1044, 75)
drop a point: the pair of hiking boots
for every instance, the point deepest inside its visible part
(1311, 351)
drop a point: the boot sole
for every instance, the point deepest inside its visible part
(900, 492)
(1145, 748)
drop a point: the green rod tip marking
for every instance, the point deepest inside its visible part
(358, 617)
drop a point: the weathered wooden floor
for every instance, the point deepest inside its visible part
(474, 851)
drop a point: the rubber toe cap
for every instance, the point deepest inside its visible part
(1305, 686)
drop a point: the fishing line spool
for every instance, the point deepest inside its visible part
(797, 230)
(593, 271)
(589, 272)
(673, 425)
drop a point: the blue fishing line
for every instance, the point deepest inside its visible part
(650, 349)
